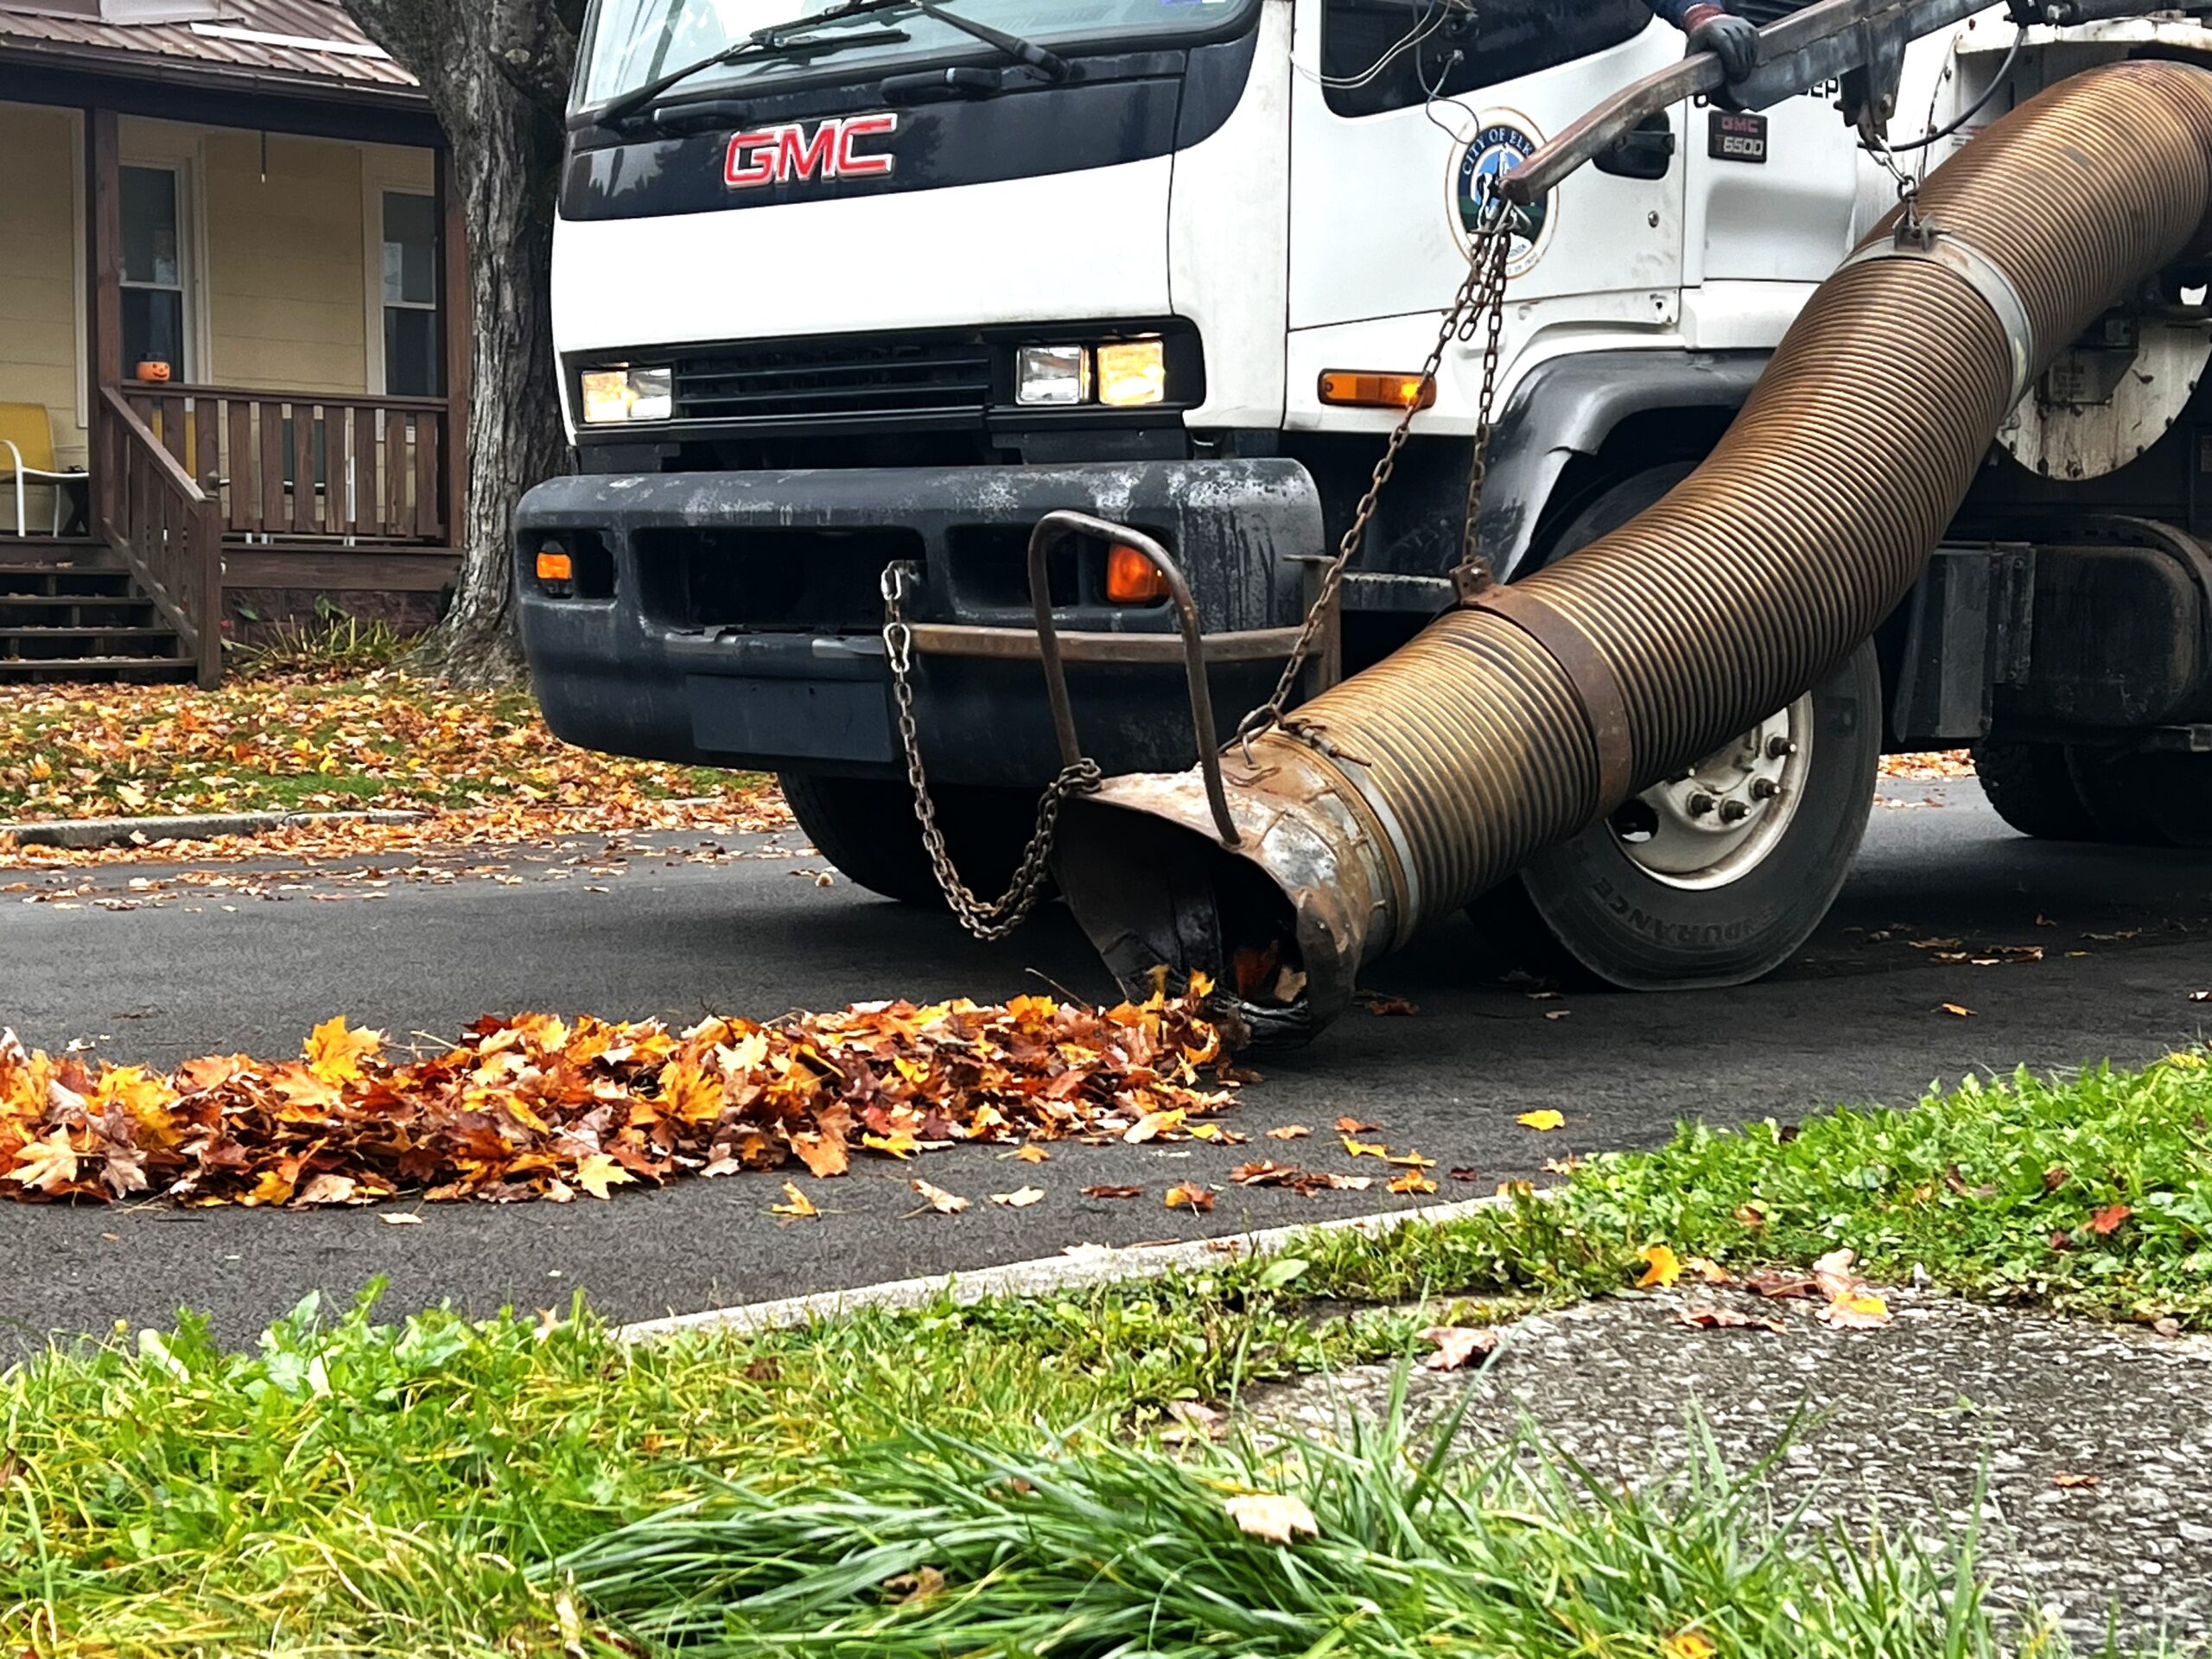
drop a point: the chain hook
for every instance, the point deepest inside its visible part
(987, 919)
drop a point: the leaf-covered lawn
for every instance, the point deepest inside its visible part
(303, 742)
(982, 1479)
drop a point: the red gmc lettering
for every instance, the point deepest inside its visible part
(790, 154)
(865, 167)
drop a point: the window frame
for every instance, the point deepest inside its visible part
(393, 171)
(1334, 96)
(181, 162)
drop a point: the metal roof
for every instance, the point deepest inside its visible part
(312, 42)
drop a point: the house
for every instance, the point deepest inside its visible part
(231, 279)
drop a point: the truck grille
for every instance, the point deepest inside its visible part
(786, 384)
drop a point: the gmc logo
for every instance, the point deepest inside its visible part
(790, 154)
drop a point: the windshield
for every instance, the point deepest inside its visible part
(631, 41)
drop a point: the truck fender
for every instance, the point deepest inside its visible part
(1570, 406)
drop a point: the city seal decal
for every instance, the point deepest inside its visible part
(1501, 143)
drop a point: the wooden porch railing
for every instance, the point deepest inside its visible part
(287, 465)
(166, 526)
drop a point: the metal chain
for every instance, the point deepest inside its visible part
(988, 919)
(1481, 297)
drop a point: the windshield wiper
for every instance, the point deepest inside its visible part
(761, 43)
(1051, 65)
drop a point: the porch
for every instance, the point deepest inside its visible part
(256, 372)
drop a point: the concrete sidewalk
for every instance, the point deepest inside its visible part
(1901, 1423)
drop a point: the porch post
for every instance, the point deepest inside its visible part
(104, 224)
(454, 339)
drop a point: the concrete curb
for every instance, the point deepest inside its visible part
(83, 833)
(1034, 1278)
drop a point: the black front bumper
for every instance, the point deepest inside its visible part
(735, 618)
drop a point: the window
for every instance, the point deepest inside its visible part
(1392, 54)
(154, 273)
(410, 295)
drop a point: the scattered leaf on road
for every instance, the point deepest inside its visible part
(1113, 1192)
(1543, 1122)
(401, 1219)
(2072, 1482)
(1704, 1317)
(1189, 1197)
(1856, 1310)
(1289, 1132)
(1954, 1008)
(796, 1204)
(1353, 1126)
(1365, 1148)
(937, 1199)
(1020, 1198)
(1662, 1267)
(1278, 1519)
(1032, 1153)
(1413, 1182)
(1456, 1345)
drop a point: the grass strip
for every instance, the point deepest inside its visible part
(358, 1488)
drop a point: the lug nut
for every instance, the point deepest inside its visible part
(1780, 748)
(1734, 811)
(1765, 789)
(1701, 805)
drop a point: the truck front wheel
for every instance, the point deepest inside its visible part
(1718, 875)
(866, 828)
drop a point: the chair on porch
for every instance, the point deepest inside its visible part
(27, 453)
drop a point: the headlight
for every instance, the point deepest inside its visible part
(1133, 374)
(618, 396)
(1049, 376)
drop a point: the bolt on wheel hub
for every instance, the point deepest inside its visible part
(1718, 821)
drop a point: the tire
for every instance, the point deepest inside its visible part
(1592, 911)
(2032, 787)
(1587, 911)
(2144, 800)
(866, 828)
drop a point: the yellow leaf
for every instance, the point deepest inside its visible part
(898, 1144)
(598, 1171)
(334, 1053)
(1413, 1182)
(1033, 1154)
(1688, 1644)
(1954, 1008)
(1662, 1267)
(47, 1166)
(1856, 1310)
(1364, 1148)
(797, 1205)
(938, 1199)
(1543, 1122)
(1278, 1519)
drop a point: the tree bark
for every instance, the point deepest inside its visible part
(496, 74)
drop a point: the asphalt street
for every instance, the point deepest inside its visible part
(238, 958)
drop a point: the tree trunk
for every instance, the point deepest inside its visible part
(496, 74)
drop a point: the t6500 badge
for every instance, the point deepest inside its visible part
(796, 155)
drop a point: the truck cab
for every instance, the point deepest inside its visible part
(888, 282)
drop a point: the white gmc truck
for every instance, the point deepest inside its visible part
(846, 288)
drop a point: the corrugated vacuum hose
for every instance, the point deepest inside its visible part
(1398, 796)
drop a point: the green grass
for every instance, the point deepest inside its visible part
(352, 1488)
(927, 1543)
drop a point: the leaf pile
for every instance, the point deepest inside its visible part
(536, 1107)
(304, 742)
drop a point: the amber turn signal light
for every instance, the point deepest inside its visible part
(1131, 578)
(1349, 389)
(554, 565)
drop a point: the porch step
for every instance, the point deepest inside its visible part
(73, 612)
